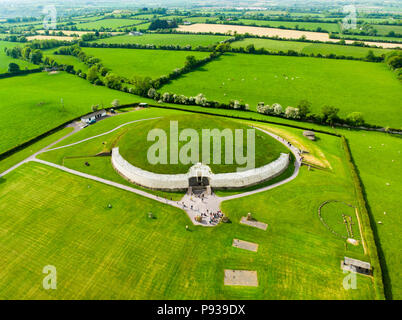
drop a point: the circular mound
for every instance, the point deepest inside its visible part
(135, 148)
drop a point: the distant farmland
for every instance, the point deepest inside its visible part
(287, 80)
(6, 60)
(142, 62)
(272, 32)
(41, 102)
(166, 39)
(308, 48)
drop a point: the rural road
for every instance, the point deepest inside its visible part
(215, 200)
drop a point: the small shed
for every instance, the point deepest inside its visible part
(357, 266)
(309, 135)
(94, 116)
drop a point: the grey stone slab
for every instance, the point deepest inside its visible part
(241, 278)
(253, 223)
(241, 244)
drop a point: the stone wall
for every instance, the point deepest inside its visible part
(176, 182)
(150, 180)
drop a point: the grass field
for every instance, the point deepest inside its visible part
(372, 38)
(378, 159)
(36, 105)
(141, 62)
(140, 27)
(67, 60)
(6, 60)
(309, 26)
(166, 39)
(339, 83)
(19, 156)
(107, 24)
(92, 245)
(308, 48)
(384, 30)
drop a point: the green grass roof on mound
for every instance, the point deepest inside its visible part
(134, 146)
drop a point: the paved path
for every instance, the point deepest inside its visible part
(210, 203)
(196, 206)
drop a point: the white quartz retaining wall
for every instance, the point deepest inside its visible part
(175, 182)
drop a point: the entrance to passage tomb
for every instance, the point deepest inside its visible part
(199, 179)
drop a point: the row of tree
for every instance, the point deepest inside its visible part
(162, 24)
(198, 100)
(394, 61)
(100, 75)
(147, 46)
(329, 114)
(371, 57)
(25, 53)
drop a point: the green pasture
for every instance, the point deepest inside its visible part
(91, 244)
(107, 24)
(6, 60)
(287, 80)
(378, 159)
(371, 38)
(140, 27)
(309, 48)
(67, 60)
(142, 62)
(42, 101)
(308, 26)
(385, 29)
(166, 39)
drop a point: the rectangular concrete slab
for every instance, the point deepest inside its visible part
(253, 223)
(245, 245)
(241, 278)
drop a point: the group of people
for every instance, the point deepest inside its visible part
(213, 216)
